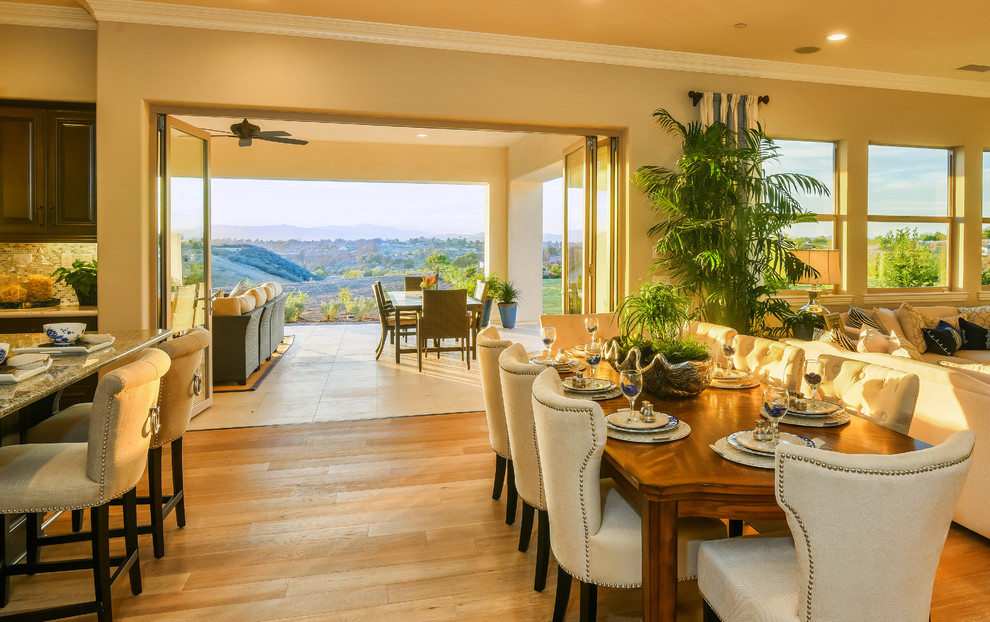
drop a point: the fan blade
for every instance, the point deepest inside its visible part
(270, 133)
(244, 142)
(288, 141)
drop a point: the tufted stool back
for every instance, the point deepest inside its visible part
(770, 361)
(490, 346)
(713, 336)
(885, 396)
(518, 375)
(180, 385)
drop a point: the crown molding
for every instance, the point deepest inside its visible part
(162, 14)
(48, 16)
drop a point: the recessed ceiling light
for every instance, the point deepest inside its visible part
(836, 36)
(421, 135)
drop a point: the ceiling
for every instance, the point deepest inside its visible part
(913, 37)
(353, 133)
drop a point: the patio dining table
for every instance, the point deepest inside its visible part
(413, 302)
(687, 478)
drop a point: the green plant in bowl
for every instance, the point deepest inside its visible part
(81, 277)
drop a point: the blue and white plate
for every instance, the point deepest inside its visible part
(745, 441)
(616, 421)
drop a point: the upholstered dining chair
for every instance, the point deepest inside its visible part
(868, 533)
(571, 331)
(595, 531)
(52, 477)
(770, 361)
(490, 347)
(394, 324)
(444, 316)
(179, 388)
(714, 336)
(413, 283)
(517, 375)
(883, 395)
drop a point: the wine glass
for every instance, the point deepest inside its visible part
(729, 351)
(775, 401)
(591, 325)
(813, 375)
(593, 354)
(549, 335)
(631, 382)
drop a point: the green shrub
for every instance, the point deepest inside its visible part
(295, 304)
(363, 308)
(330, 310)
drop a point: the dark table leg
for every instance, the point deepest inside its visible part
(659, 561)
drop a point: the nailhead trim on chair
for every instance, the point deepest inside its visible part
(833, 467)
(499, 346)
(66, 508)
(535, 445)
(103, 453)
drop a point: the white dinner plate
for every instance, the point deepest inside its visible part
(663, 423)
(744, 440)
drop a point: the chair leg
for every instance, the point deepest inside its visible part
(707, 613)
(419, 354)
(526, 528)
(381, 344)
(31, 537)
(155, 498)
(735, 528)
(131, 539)
(77, 521)
(563, 595)
(542, 550)
(499, 476)
(510, 502)
(4, 577)
(589, 602)
(100, 536)
(178, 490)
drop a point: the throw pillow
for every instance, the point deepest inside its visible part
(857, 318)
(838, 339)
(903, 348)
(912, 322)
(975, 337)
(239, 289)
(940, 340)
(979, 315)
(956, 334)
(872, 340)
(226, 306)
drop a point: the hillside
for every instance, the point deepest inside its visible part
(355, 232)
(232, 263)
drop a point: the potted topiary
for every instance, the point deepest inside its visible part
(508, 297)
(81, 277)
(652, 323)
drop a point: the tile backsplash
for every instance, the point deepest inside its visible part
(29, 258)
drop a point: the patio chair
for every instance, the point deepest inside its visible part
(391, 320)
(444, 316)
(480, 291)
(413, 283)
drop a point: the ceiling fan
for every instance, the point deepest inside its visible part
(245, 132)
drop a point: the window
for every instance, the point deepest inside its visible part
(908, 217)
(985, 244)
(816, 159)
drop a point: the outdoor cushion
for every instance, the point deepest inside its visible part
(260, 296)
(239, 289)
(227, 306)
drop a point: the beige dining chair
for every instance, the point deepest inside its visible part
(770, 361)
(595, 531)
(490, 347)
(714, 336)
(868, 534)
(444, 316)
(517, 375)
(391, 321)
(571, 331)
(54, 477)
(179, 388)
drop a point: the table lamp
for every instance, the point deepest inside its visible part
(826, 262)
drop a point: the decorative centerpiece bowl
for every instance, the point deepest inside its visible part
(661, 377)
(64, 332)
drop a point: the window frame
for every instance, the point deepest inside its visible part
(984, 216)
(946, 220)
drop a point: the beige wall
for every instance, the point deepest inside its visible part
(47, 63)
(142, 65)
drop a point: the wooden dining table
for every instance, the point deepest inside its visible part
(404, 301)
(687, 478)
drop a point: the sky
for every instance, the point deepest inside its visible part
(444, 208)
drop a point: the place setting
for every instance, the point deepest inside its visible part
(68, 338)
(591, 325)
(809, 412)
(644, 425)
(729, 377)
(21, 366)
(756, 447)
(561, 362)
(589, 387)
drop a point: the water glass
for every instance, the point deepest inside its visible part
(631, 382)
(591, 325)
(549, 335)
(775, 402)
(813, 369)
(729, 351)
(593, 354)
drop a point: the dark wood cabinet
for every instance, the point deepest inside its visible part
(47, 174)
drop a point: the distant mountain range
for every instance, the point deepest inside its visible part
(354, 232)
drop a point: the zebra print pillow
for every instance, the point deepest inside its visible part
(857, 318)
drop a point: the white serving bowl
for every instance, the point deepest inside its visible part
(64, 332)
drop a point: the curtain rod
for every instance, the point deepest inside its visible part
(696, 97)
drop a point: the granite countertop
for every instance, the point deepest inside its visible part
(62, 310)
(67, 369)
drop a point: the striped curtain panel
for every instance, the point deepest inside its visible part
(738, 112)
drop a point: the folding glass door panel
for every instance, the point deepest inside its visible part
(573, 247)
(184, 236)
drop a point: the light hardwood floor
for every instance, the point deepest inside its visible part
(375, 520)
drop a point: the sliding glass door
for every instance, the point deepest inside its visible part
(588, 259)
(184, 236)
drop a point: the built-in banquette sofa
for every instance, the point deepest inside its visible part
(954, 390)
(248, 325)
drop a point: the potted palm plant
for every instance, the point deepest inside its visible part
(725, 215)
(81, 277)
(508, 298)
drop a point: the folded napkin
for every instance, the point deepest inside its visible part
(92, 339)
(27, 361)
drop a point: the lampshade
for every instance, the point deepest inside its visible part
(826, 261)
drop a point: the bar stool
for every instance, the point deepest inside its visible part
(52, 477)
(178, 390)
